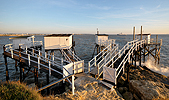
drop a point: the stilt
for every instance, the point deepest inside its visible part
(135, 57)
(6, 65)
(7, 73)
(140, 56)
(128, 73)
(47, 79)
(20, 66)
(16, 65)
(148, 53)
(23, 73)
(144, 54)
(36, 76)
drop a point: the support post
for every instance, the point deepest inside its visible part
(141, 33)
(47, 79)
(5, 58)
(135, 57)
(133, 33)
(144, 53)
(20, 65)
(73, 85)
(16, 65)
(140, 56)
(148, 53)
(7, 73)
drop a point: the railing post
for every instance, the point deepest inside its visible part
(32, 51)
(53, 59)
(95, 61)
(38, 63)
(115, 78)
(12, 53)
(88, 66)
(26, 50)
(73, 85)
(29, 60)
(49, 69)
(45, 55)
(39, 53)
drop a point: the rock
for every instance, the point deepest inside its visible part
(128, 96)
(148, 90)
(121, 90)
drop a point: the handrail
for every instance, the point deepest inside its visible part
(66, 56)
(130, 46)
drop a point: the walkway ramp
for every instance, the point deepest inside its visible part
(95, 65)
(114, 68)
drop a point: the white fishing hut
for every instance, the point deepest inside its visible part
(23, 41)
(145, 37)
(58, 41)
(101, 38)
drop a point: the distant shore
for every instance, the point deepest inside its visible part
(20, 34)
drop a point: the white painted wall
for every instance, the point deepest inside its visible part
(24, 41)
(100, 38)
(57, 42)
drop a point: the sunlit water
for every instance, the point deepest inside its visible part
(84, 47)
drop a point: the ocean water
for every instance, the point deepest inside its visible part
(84, 47)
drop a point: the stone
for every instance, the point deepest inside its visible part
(148, 90)
(121, 90)
(128, 96)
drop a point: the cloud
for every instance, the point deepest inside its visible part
(141, 8)
(62, 2)
(93, 6)
(158, 6)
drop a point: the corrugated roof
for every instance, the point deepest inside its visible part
(20, 37)
(102, 34)
(58, 35)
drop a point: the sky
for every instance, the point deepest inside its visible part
(84, 16)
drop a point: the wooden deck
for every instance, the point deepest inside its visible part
(33, 64)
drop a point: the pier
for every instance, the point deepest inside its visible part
(108, 65)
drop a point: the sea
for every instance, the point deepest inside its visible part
(84, 48)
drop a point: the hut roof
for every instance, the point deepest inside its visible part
(18, 37)
(101, 34)
(144, 34)
(58, 35)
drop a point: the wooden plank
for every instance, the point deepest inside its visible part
(35, 65)
(111, 86)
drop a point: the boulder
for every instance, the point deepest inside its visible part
(128, 96)
(148, 90)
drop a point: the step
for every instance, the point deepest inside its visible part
(111, 86)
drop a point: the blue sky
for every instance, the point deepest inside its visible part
(84, 16)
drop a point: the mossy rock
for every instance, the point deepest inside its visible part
(17, 91)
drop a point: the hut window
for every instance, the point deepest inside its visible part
(66, 39)
(28, 39)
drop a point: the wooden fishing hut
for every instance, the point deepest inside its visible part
(13, 51)
(58, 41)
(32, 60)
(26, 42)
(152, 46)
(101, 41)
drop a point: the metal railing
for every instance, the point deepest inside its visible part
(100, 59)
(29, 55)
(129, 48)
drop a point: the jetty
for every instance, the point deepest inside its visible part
(107, 65)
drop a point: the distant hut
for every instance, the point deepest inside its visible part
(23, 41)
(146, 37)
(100, 39)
